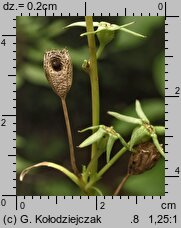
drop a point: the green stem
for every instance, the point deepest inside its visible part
(92, 162)
(93, 72)
(106, 167)
(100, 50)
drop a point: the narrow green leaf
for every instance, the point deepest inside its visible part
(93, 138)
(140, 112)
(60, 168)
(124, 118)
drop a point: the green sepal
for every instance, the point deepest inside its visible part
(157, 144)
(159, 130)
(132, 33)
(140, 112)
(104, 26)
(93, 138)
(105, 37)
(123, 142)
(90, 128)
(109, 147)
(139, 135)
(101, 144)
(124, 118)
(81, 24)
(114, 27)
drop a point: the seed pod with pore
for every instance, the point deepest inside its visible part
(144, 158)
(58, 71)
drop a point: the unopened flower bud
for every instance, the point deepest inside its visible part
(105, 37)
(58, 70)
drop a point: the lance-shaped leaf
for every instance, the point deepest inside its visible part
(157, 144)
(139, 135)
(159, 130)
(124, 118)
(60, 168)
(109, 147)
(93, 138)
(140, 112)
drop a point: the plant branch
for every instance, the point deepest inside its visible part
(106, 167)
(70, 140)
(93, 72)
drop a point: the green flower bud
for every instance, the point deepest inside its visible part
(139, 135)
(105, 37)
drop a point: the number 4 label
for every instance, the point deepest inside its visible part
(3, 42)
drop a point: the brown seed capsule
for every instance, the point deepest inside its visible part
(58, 70)
(144, 158)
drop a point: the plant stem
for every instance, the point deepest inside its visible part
(118, 189)
(70, 140)
(99, 51)
(106, 167)
(92, 162)
(93, 72)
(112, 161)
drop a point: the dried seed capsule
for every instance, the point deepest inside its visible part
(58, 70)
(144, 158)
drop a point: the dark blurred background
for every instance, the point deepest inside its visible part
(130, 68)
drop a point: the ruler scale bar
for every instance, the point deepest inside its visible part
(130, 210)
